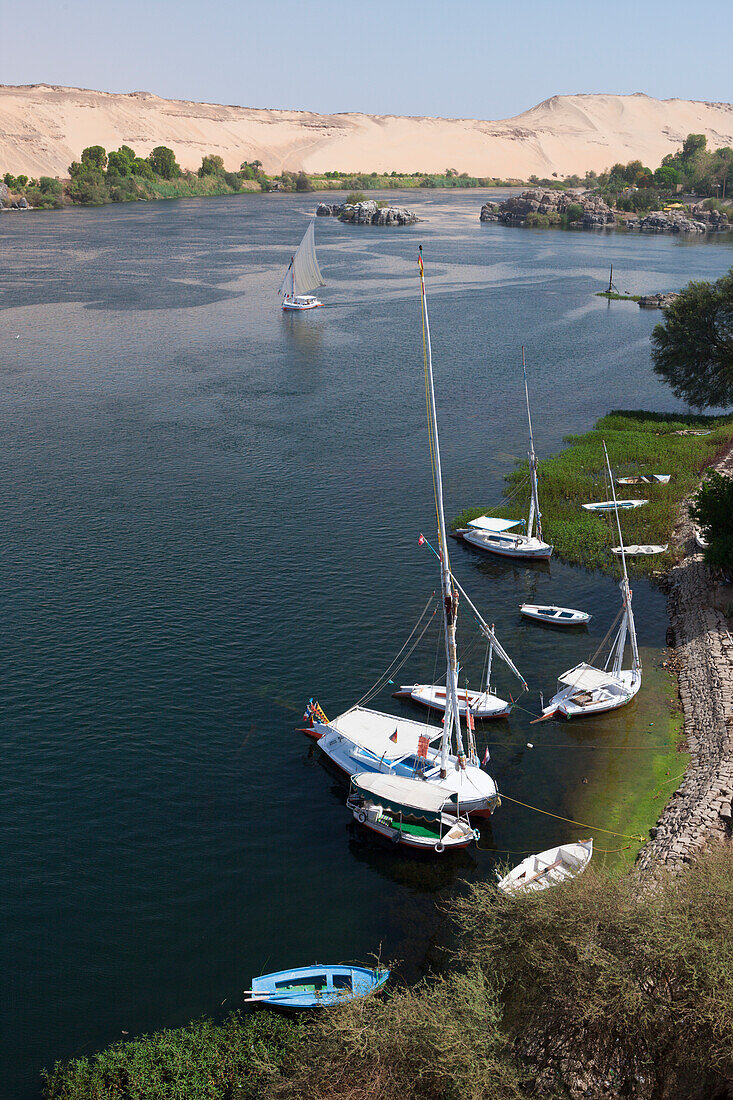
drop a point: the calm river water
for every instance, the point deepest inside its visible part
(210, 512)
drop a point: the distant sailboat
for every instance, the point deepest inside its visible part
(498, 535)
(303, 275)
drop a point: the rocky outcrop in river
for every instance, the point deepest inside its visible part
(555, 204)
(367, 213)
(658, 301)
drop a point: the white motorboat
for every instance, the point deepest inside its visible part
(635, 551)
(362, 740)
(611, 505)
(303, 275)
(409, 812)
(547, 868)
(644, 479)
(557, 616)
(498, 536)
(586, 689)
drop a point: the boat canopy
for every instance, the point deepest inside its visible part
(587, 678)
(403, 795)
(487, 523)
(371, 729)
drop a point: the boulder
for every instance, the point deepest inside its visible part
(4, 193)
(661, 221)
(368, 213)
(658, 301)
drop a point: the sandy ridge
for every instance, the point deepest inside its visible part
(44, 127)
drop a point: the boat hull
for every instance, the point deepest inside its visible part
(538, 872)
(564, 706)
(432, 696)
(458, 834)
(569, 616)
(295, 306)
(519, 547)
(317, 986)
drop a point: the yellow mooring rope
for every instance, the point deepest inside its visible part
(583, 824)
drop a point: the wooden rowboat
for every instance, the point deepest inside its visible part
(316, 986)
(537, 872)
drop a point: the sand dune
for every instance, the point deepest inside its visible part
(43, 128)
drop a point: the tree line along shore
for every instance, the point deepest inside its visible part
(614, 984)
(123, 176)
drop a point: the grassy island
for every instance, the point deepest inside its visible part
(638, 443)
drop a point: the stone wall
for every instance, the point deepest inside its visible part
(701, 809)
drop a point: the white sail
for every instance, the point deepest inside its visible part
(303, 275)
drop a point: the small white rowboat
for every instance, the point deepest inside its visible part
(609, 506)
(558, 616)
(636, 551)
(644, 479)
(548, 868)
(483, 704)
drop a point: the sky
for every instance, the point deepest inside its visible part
(458, 59)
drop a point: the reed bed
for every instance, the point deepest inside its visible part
(638, 442)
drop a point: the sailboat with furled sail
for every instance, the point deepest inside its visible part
(585, 689)
(362, 740)
(303, 275)
(499, 536)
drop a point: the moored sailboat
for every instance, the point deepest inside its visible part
(585, 689)
(303, 275)
(499, 536)
(363, 740)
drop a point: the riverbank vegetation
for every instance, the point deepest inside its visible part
(638, 443)
(595, 985)
(122, 176)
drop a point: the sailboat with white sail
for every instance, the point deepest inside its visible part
(364, 740)
(499, 536)
(303, 275)
(585, 689)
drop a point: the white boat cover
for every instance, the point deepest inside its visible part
(305, 266)
(373, 730)
(586, 678)
(634, 550)
(400, 791)
(487, 523)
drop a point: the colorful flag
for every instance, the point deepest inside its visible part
(486, 758)
(421, 540)
(393, 736)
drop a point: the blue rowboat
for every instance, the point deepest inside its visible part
(316, 986)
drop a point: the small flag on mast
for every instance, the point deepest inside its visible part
(421, 540)
(486, 758)
(393, 736)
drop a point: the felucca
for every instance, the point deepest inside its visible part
(498, 535)
(585, 689)
(303, 275)
(364, 740)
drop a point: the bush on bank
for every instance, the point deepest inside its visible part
(597, 982)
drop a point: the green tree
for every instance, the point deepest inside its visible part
(118, 164)
(693, 143)
(666, 177)
(713, 510)
(162, 160)
(692, 348)
(50, 186)
(128, 152)
(94, 156)
(211, 166)
(303, 183)
(140, 167)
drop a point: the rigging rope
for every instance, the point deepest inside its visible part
(393, 665)
(570, 821)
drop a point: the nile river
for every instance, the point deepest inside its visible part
(210, 511)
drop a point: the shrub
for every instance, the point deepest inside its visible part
(354, 197)
(712, 507)
(211, 166)
(574, 212)
(302, 182)
(162, 160)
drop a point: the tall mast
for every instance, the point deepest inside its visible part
(292, 264)
(628, 618)
(534, 507)
(450, 596)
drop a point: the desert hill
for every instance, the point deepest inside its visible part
(44, 128)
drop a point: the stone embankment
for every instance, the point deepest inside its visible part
(367, 213)
(594, 212)
(701, 809)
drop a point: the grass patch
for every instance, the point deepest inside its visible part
(638, 442)
(614, 297)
